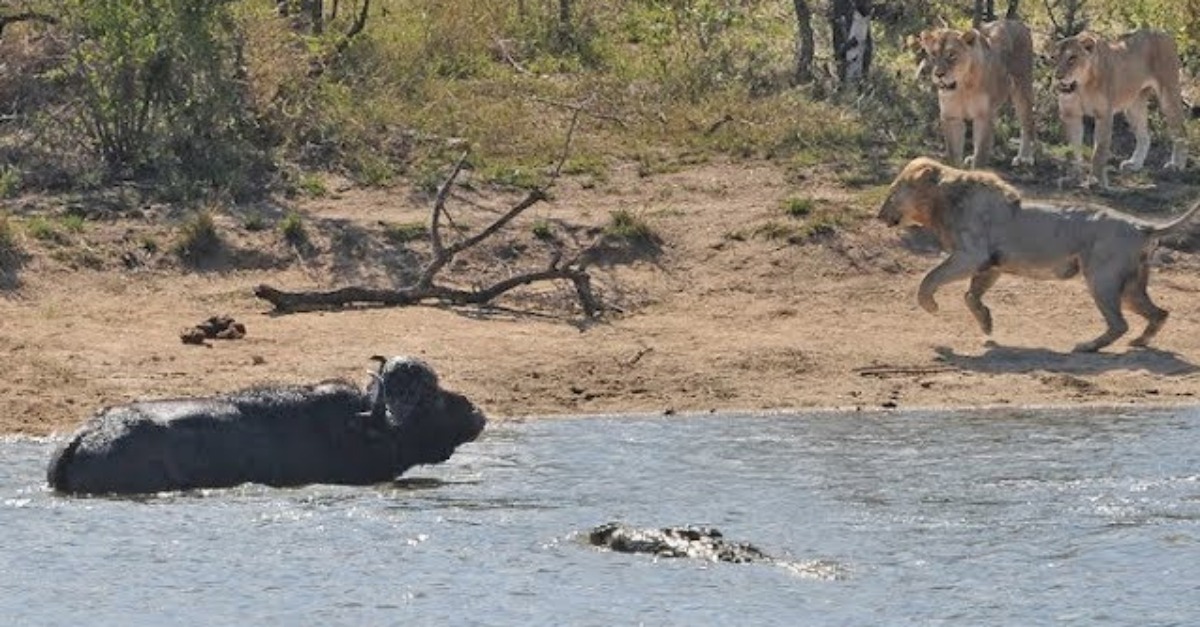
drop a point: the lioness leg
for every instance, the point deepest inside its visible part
(981, 283)
(1072, 120)
(1138, 115)
(981, 134)
(1106, 289)
(955, 132)
(954, 268)
(1023, 102)
(1138, 299)
(1172, 107)
(1101, 147)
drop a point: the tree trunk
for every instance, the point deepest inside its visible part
(316, 12)
(564, 24)
(804, 42)
(1013, 10)
(850, 24)
(977, 14)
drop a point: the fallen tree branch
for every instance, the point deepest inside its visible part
(426, 288)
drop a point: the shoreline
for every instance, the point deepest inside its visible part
(703, 322)
(798, 413)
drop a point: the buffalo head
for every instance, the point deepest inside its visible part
(430, 422)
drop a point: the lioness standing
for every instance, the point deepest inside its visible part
(989, 229)
(975, 73)
(1096, 77)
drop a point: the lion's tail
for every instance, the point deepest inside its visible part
(1160, 230)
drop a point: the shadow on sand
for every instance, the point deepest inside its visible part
(1015, 359)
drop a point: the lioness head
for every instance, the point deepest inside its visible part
(913, 194)
(1073, 59)
(950, 55)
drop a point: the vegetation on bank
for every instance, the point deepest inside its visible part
(205, 101)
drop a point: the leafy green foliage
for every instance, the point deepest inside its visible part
(155, 90)
(198, 237)
(797, 206)
(626, 225)
(9, 244)
(405, 232)
(197, 96)
(293, 229)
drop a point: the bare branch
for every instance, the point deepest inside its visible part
(439, 207)
(425, 288)
(581, 107)
(566, 151)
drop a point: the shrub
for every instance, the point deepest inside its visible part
(542, 230)
(9, 246)
(405, 232)
(293, 229)
(198, 237)
(312, 186)
(623, 224)
(39, 227)
(10, 181)
(74, 223)
(798, 207)
(254, 222)
(156, 89)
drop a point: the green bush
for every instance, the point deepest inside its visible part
(254, 222)
(293, 229)
(39, 227)
(198, 238)
(405, 232)
(798, 207)
(9, 244)
(626, 225)
(156, 93)
(10, 181)
(542, 230)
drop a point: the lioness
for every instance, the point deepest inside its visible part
(988, 229)
(1096, 77)
(975, 73)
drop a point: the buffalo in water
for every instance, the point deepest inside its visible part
(331, 432)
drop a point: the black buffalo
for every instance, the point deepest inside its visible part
(331, 432)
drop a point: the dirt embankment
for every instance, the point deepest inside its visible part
(724, 313)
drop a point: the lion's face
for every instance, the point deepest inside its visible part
(950, 56)
(1073, 61)
(912, 194)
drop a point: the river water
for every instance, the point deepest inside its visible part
(943, 518)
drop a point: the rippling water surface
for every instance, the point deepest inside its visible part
(955, 518)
